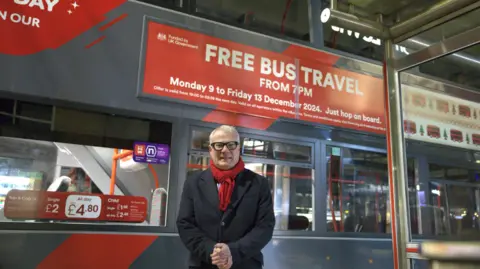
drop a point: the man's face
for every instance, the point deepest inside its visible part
(224, 150)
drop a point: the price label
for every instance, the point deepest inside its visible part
(83, 206)
(52, 208)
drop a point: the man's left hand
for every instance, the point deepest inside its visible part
(221, 256)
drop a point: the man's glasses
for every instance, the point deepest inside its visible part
(218, 146)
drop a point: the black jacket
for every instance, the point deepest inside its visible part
(246, 226)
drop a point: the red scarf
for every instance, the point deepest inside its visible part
(226, 178)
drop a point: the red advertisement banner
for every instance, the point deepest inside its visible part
(25, 204)
(31, 26)
(233, 77)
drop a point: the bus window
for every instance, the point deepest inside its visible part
(357, 191)
(288, 168)
(456, 135)
(419, 100)
(291, 21)
(89, 150)
(433, 131)
(442, 106)
(464, 111)
(409, 127)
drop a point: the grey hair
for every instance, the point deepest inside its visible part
(227, 129)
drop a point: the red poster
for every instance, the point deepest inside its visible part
(190, 66)
(31, 26)
(21, 204)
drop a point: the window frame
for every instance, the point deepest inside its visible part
(273, 137)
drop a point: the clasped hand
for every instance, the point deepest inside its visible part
(221, 256)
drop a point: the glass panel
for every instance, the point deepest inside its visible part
(464, 210)
(200, 140)
(353, 42)
(163, 3)
(259, 148)
(358, 198)
(292, 191)
(441, 120)
(446, 30)
(276, 150)
(440, 223)
(52, 169)
(282, 17)
(449, 173)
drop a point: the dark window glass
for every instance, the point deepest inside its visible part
(281, 17)
(292, 190)
(259, 148)
(358, 198)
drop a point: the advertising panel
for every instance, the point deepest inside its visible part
(31, 26)
(151, 153)
(438, 118)
(187, 66)
(38, 205)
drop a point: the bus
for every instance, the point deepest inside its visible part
(476, 139)
(433, 131)
(419, 100)
(464, 110)
(443, 106)
(409, 127)
(117, 109)
(456, 135)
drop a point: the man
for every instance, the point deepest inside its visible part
(226, 212)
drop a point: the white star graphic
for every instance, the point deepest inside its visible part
(75, 5)
(69, 11)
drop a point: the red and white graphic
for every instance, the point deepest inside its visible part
(31, 26)
(23, 204)
(299, 83)
(140, 150)
(438, 118)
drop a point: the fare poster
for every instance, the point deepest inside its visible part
(190, 66)
(27, 204)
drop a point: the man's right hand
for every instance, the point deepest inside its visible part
(221, 256)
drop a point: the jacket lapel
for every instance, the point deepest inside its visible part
(209, 188)
(242, 184)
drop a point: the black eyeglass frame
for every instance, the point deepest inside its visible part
(223, 144)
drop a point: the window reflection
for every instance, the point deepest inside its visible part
(456, 208)
(291, 185)
(358, 198)
(276, 150)
(284, 17)
(259, 148)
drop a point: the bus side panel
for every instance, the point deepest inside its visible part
(27, 250)
(99, 251)
(106, 74)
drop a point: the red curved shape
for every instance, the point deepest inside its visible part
(44, 27)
